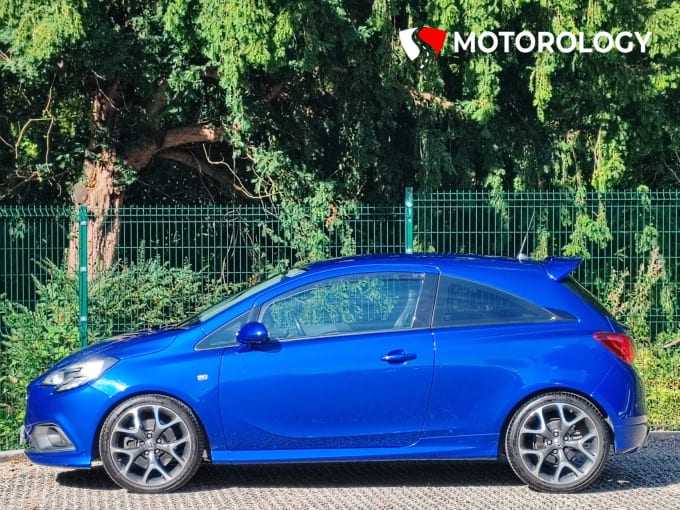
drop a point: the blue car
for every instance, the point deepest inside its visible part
(361, 358)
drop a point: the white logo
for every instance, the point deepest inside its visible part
(564, 42)
(411, 48)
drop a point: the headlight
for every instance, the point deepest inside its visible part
(76, 374)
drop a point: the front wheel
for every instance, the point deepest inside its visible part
(151, 444)
(557, 442)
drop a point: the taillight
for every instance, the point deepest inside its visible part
(620, 344)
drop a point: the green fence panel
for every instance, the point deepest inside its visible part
(613, 232)
(28, 237)
(231, 246)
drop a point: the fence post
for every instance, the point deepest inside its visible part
(408, 217)
(82, 275)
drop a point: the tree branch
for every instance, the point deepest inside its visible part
(46, 117)
(186, 135)
(672, 343)
(190, 160)
(238, 183)
(204, 168)
(426, 97)
(170, 149)
(670, 169)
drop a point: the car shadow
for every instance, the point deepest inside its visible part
(623, 472)
(322, 475)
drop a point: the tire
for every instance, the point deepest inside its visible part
(151, 444)
(557, 442)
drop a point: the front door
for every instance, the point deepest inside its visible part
(350, 367)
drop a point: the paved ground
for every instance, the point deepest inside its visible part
(646, 480)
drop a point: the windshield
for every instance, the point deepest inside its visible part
(232, 300)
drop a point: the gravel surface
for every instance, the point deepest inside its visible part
(647, 479)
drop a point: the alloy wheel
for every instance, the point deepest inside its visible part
(558, 443)
(152, 444)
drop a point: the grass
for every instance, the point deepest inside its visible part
(660, 371)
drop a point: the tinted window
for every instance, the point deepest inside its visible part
(224, 336)
(584, 294)
(381, 301)
(237, 298)
(464, 303)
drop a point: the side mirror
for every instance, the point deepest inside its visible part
(252, 333)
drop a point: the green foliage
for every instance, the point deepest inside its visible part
(631, 295)
(315, 96)
(38, 32)
(142, 294)
(497, 196)
(589, 227)
(421, 246)
(632, 305)
(313, 228)
(658, 368)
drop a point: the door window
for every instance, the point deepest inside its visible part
(347, 304)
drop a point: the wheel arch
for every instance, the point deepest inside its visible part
(96, 454)
(544, 391)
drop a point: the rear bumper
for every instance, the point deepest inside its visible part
(622, 396)
(630, 438)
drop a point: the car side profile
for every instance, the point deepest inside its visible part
(362, 358)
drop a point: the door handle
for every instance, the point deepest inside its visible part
(400, 356)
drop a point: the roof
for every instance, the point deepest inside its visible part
(556, 268)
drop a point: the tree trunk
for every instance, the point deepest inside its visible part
(99, 192)
(103, 198)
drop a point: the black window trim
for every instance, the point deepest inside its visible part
(424, 310)
(551, 315)
(206, 339)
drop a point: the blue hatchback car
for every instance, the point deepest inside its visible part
(360, 358)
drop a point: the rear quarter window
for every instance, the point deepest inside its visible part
(465, 303)
(587, 296)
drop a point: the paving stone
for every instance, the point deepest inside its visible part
(649, 479)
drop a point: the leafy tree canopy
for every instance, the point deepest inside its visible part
(198, 100)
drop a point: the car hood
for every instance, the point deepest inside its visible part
(125, 346)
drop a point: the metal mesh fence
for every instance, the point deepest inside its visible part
(231, 246)
(210, 249)
(29, 236)
(613, 232)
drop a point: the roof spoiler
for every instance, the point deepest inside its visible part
(558, 268)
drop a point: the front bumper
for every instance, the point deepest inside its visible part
(45, 437)
(61, 428)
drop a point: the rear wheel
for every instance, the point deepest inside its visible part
(557, 442)
(151, 443)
